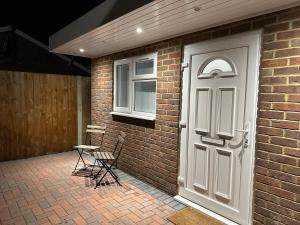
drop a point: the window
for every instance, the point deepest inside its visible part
(135, 87)
(216, 66)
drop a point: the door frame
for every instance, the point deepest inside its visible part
(251, 39)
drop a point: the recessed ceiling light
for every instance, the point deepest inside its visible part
(139, 30)
(81, 50)
(197, 9)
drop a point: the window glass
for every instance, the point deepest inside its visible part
(122, 77)
(145, 66)
(217, 64)
(135, 86)
(145, 96)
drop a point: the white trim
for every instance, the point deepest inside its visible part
(259, 34)
(153, 75)
(204, 210)
(151, 118)
(129, 111)
(133, 97)
(117, 63)
(160, 20)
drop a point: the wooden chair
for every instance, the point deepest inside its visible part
(89, 149)
(94, 129)
(107, 160)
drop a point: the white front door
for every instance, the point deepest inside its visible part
(219, 136)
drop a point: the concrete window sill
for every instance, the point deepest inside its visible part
(151, 118)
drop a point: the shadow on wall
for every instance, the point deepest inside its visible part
(134, 121)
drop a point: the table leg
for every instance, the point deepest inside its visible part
(80, 157)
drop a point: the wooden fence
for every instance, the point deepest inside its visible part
(38, 113)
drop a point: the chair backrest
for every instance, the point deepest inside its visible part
(119, 144)
(95, 129)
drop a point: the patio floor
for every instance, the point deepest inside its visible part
(41, 190)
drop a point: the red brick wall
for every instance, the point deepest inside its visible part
(151, 150)
(277, 186)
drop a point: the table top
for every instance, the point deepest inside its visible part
(92, 147)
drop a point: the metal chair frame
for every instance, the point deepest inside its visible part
(103, 159)
(89, 148)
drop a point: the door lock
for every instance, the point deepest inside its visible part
(182, 124)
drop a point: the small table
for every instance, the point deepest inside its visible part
(80, 149)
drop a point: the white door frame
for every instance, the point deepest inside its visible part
(253, 41)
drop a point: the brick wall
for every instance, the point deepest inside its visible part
(151, 148)
(151, 151)
(277, 190)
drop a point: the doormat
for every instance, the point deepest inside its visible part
(189, 216)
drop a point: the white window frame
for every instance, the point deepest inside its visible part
(144, 58)
(117, 63)
(133, 78)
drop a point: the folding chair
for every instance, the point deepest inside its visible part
(94, 129)
(103, 159)
(88, 149)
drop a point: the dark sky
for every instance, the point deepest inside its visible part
(42, 18)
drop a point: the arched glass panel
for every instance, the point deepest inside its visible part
(216, 66)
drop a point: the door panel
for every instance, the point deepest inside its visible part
(218, 115)
(203, 110)
(217, 106)
(201, 171)
(223, 174)
(226, 112)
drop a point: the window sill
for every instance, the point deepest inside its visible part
(151, 118)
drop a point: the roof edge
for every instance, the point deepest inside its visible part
(45, 47)
(103, 13)
(6, 28)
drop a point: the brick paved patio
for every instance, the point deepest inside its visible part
(41, 190)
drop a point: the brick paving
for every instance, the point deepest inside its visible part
(41, 190)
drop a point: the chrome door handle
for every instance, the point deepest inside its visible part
(243, 131)
(245, 139)
(245, 134)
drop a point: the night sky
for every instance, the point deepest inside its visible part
(42, 18)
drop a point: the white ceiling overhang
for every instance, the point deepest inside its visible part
(160, 20)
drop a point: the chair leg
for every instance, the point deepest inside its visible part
(101, 167)
(99, 182)
(110, 171)
(115, 177)
(93, 168)
(80, 157)
(76, 165)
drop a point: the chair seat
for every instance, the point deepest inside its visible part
(88, 147)
(104, 156)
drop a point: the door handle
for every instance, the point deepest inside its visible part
(245, 134)
(245, 138)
